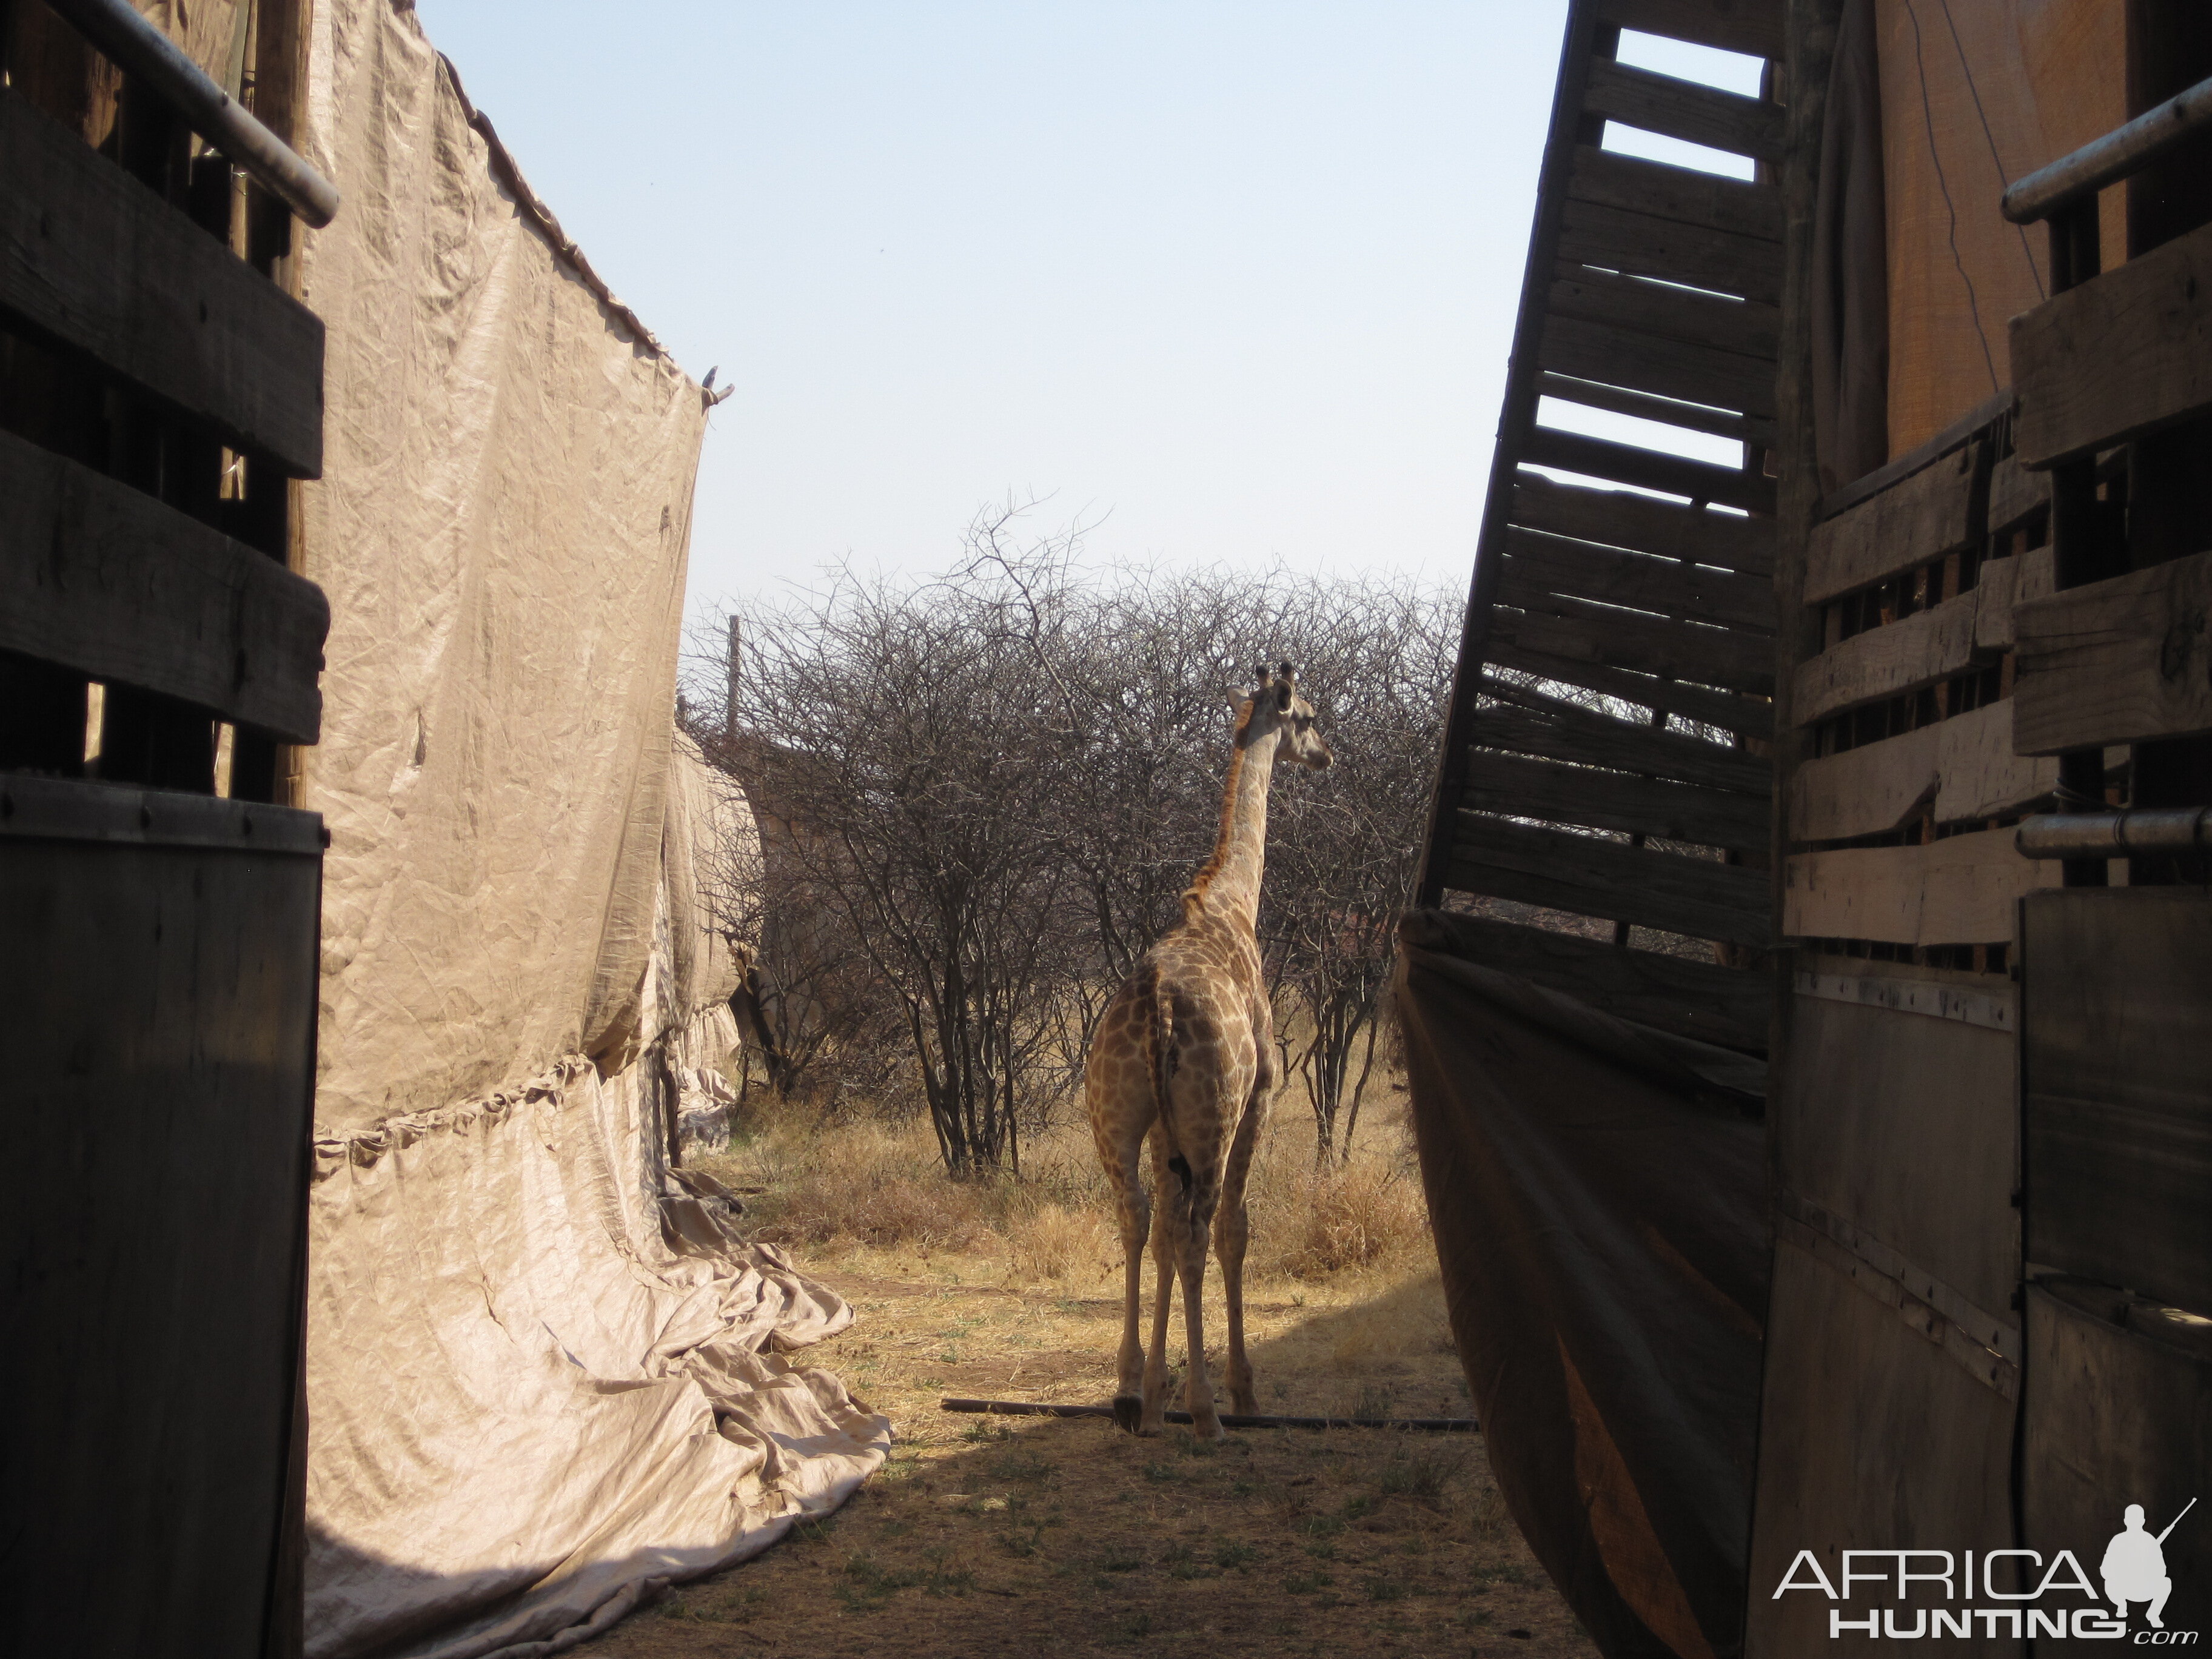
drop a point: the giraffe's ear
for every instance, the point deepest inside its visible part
(1236, 700)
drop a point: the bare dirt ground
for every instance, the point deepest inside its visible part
(995, 1536)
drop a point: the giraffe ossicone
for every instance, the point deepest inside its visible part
(1183, 1061)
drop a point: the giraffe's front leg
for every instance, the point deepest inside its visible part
(1134, 1212)
(1231, 1232)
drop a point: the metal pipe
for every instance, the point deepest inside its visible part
(2116, 835)
(1229, 1419)
(140, 49)
(2104, 161)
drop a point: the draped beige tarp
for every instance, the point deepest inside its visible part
(1976, 93)
(546, 1373)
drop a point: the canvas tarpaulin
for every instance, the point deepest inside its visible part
(1972, 98)
(1598, 1197)
(546, 1373)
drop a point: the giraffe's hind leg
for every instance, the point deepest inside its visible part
(1119, 1120)
(1232, 1231)
(1153, 1418)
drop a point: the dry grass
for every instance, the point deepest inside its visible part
(1010, 1537)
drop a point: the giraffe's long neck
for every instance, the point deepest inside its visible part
(1229, 882)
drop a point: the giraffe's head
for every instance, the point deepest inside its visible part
(1274, 705)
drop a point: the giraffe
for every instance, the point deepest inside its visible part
(1184, 1057)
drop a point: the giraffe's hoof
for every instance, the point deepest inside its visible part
(1128, 1410)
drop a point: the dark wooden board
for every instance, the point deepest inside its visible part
(1594, 877)
(97, 577)
(1645, 362)
(1974, 424)
(1611, 801)
(1705, 200)
(1594, 739)
(1917, 519)
(1646, 245)
(1726, 1006)
(92, 260)
(1599, 457)
(1888, 662)
(1749, 429)
(1620, 519)
(1750, 27)
(2121, 355)
(1742, 326)
(1686, 110)
(1961, 889)
(2122, 660)
(2117, 1115)
(1551, 564)
(1642, 644)
(1752, 717)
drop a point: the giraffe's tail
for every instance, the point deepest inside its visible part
(1164, 1070)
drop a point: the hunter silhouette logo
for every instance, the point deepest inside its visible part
(2134, 1568)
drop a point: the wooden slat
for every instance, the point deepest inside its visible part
(1974, 424)
(1726, 1005)
(94, 261)
(1958, 890)
(1745, 26)
(1888, 662)
(1922, 518)
(1611, 801)
(1551, 564)
(1592, 876)
(1748, 428)
(1750, 717)
(2121, 355)
(1619, 519)
(1703, 199)
(2125, 661)
(1645, 362)
(1645, 245)
(1566, 733)
(98, 578)
(2015, 494)
(1742, 326)
(1686, 110)
(1599, 457)
(1963, 767)
(2006, 584)
(1642, 645)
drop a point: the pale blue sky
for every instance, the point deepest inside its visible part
(1234, 280)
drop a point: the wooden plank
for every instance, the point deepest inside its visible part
(1888, 662)
(1619, 519)
(1746, 26)
(1726, 1005)
(1695, 113)
(1566, 733)
(1969, 426)
(92, 260)
(2125, 661)
(1750, 717)
(2123, 354)
(1612, 800)
(1958, 890)
(2015, 494)
(1645, 362)
(1747, 428)
(2004, 585)
(1550, 564)
(1647, 469)
(1642, 645)
(1963, 769)
(1592, 876)
(1743, 326)
(1922, 518)
(1705, 200)
(99, 578)
(1644, 244)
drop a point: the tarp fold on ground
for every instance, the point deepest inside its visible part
(1598, 1198)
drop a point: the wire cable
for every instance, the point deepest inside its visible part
(1935, 156)
(2004, 178)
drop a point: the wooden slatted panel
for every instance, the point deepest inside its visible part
(1619, 519)
(1888, 662)
(1554, 564)
(1704, 200)
(1923, 517)
(100, 578)
(1727, 658)
(1645, 362)
(1684, 109)
(1594, 877)
(1646, 245)
(93, 261)
(1598, 458)
(1749, 429)
(1591, 739)
(1611, 801)
(1750, 717)
(1959, 769)
(1742, 26)
(1742, 326)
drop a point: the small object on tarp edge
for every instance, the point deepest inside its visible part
(1229, 1419)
